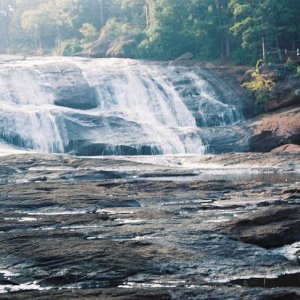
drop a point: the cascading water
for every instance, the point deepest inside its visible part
(27, 119)
(108, 106)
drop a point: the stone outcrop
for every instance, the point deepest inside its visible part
(270, 227)
(287, 148)
(69, 86)
(97, 49)
(278, 126)
(286, 91)
(273, 130)
(260, 134)
(287, 87)
(143, 107)
(79, 96)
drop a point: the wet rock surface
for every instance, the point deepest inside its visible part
(143, 227)
(271, 227)
(70, 88)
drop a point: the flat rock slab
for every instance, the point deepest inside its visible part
(142, 227)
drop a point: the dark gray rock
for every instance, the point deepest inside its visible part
(69, 86)
(286, 93)
(128, 137)
(97, 49)
(78, 96)
(275, 226)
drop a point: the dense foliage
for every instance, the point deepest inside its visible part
(238, 30)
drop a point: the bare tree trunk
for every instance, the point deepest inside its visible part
(150, 12)
(264, 50)
(58, 40)
(58, 33)
(147, 15)
(101, 4)
(227, 44)
(6, 45)
(294, 41)
(278, 51)
(36, 40)
(222, 48)
(40, 45)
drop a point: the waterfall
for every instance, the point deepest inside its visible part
(27, 117)
(109, 106)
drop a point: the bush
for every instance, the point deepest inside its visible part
(298, 71)
(260, 85)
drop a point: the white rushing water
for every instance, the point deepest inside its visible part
(140, 108)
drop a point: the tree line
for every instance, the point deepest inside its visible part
(240, 31)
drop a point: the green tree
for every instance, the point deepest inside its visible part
(244, 30)
(266, 23)
(51, 22)
(168, 36)
(41, 24)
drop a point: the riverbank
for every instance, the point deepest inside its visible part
(144, 227)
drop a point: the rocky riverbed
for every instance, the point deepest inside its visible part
(165, 227)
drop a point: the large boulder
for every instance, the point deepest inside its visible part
(260, 134)
(69, 87)
(274, 226)
(106, 135)
(272, 130)
(225, 139)
(285, 93)
(79, 96)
